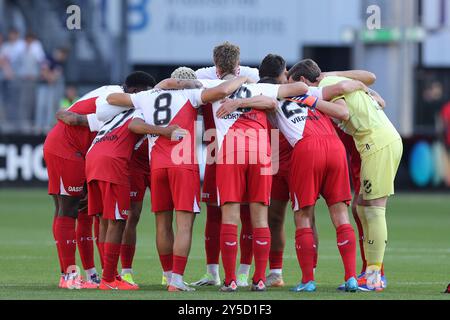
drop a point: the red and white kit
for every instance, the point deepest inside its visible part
(243, 170)
(107, 168)
(174, 166)
(280, 181)
(139, 172)
(209, 192)
(66, 146)
(318, 163)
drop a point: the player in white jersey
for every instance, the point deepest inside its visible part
(226, 61)
(244, 176)
(226, 58)
(174, 167)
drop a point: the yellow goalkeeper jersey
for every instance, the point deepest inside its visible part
(368, 124)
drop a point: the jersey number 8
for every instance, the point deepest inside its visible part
(163, 113)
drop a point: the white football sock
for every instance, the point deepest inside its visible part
(177, 280)
(127, 271)
(213, 269)
(276, 271)
(90, 272)
(244, 269)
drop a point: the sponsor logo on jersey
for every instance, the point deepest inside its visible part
(75, 189)
(304, 118)
(367, 186)
(107, 138)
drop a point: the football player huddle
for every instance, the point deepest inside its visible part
(272, 136)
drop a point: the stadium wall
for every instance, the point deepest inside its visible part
(425, 164)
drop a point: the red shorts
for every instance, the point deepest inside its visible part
(319, 167)
(209, 191)
(280, 188)
(139, 182)
(175, 188)
(244, 183)
(65, 177)
(111, 201)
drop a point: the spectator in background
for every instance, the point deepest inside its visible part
(70, 97)
(10, 54)
(31, 60)
(2, 88)
(51, 89)
(444, 123)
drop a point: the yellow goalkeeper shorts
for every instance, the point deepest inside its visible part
(378, 171)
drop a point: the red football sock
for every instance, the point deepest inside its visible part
(261, 248)
(228, 247)
(66, 237)
(127, 255)
(97, 236)
(246, 239)
(111, 259)
(212, 234)
(166, 262)
(361, 242)
(61, 265)
(276, 259)
(85, 241)
(304, 245)
(101, 251)
(347, 247)
(179, 264)
(382, 269)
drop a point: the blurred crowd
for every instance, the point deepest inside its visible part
(32, 84)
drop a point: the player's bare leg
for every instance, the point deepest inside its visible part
(164, 243)
(229, 244)
(277, 215)
(128, 247)
(376, 237)
(212, 246)
(261, 244)
(316, 241)
(181, 249)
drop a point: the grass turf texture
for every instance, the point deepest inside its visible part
(417, 258)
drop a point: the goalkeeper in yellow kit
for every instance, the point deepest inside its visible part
(380, 147)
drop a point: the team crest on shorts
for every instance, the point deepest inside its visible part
(367, 186)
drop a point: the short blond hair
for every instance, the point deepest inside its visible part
(226, 58)
(184, 73)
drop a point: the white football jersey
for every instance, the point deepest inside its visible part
(296, 122)
(245, 118)
(211, 73)
(165, 108)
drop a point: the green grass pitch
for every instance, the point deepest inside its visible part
(417, 258)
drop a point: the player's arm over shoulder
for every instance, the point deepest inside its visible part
(72, 118)
(223, 90)
(120, 100)
(337, 109)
